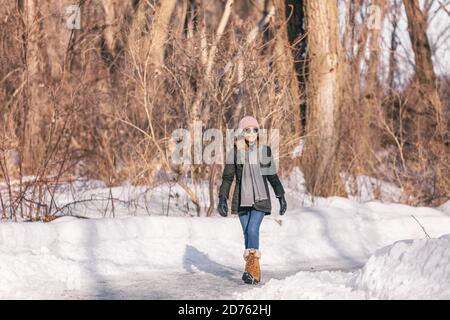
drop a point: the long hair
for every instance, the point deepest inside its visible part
(241, 136)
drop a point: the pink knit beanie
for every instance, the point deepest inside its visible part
(248, 121)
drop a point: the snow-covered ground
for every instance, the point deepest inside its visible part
(190, 257)
(333, 248)
(408, 269)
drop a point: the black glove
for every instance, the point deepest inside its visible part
(223, 206)
(283, 205)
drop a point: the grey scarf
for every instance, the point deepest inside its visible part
(252, 182)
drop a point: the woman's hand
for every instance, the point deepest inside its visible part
(223, 206)
(283, 205)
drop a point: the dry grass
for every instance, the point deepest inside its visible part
(108, 114)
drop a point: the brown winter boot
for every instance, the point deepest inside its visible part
(252, 274)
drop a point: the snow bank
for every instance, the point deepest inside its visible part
(319, 285)
(445, 207)
(38, 259)
(408, 269)
(417, 269)
(365, 188)
(336, 233)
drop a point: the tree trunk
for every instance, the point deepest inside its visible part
(417, 27)
(366, 141)
(324, 98)
(372, 84)
(180, 14)
(394, 44)
(424, 76)
(428, 123)
(284, 64)
(198, 113)
(160, 31)
(32, 143)
(149, 47)
(115, 12)
(298, 41)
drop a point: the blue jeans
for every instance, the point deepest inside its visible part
(251, 221)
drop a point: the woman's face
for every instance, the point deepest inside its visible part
(251, 134)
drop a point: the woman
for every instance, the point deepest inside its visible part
(251, 198)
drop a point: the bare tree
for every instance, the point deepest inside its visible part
(428, 123)
(150, 30)
(373, 92)
(417, 27)
(377, 16)
(284, 63)
(393, 44)
(32, 115)
(160, 30)
(324, 98)
(425, 77)
(424, 71)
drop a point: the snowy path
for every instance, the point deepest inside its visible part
(200, 285)
(169, 285)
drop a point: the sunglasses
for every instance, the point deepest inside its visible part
(250, 130)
